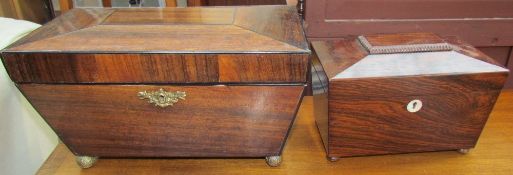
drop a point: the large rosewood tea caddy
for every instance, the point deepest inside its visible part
(178, 82)
(401, 93)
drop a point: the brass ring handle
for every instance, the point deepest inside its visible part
(162, 98)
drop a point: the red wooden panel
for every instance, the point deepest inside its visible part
(500, 54)
(417, 9)
(481, 23)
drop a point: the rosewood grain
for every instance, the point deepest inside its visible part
(467, 49)
(212, 121)
(304, 150)
(368, 125)
(331, 52)
(75, 20)
(415, 85)
(361, 99)
(171, 16)
(242, 70)
(267, 25)
(111, 68)
(160, 39)
(171, 30)
(156, 68)
(263, 68)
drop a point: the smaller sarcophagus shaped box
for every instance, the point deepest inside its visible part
(401, 93)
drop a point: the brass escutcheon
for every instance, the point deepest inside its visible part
(162, 98)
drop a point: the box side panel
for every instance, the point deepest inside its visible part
(320, 99)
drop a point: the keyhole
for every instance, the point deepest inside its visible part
(414, 106)
(162, 97)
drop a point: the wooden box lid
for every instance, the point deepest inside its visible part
(258, 29)
(257, 44)
(399, 55)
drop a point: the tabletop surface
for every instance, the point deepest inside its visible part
(304, 154)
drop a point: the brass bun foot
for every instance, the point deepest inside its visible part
(86, 161)
(333, 159)
(463, 151)
(273, 161)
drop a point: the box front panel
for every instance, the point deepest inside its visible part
(371, 125)
(210, 121)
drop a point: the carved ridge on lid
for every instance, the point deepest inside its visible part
(410, 48)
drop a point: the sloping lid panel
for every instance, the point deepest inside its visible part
(259, 29)
(423, 63)
(168, 16)
(72, 21)
(272, 23)
(401, 55)
(182, 38)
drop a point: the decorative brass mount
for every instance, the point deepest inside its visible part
(162, 98)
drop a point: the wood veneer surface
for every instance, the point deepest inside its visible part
(170, 30)
(367, 96)
(257, 44)
(483, 24)
(347, 58)
(304, 154)
(363, 125)
(156, 68)
(212, 121)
